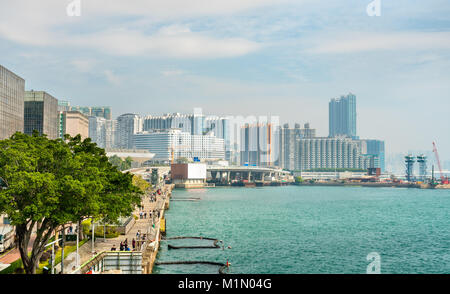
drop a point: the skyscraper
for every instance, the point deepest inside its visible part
(41, 114)
(342, 116)
(12, 88)
(127, 125)
(260, 144)
(288, 140)
(102, 131)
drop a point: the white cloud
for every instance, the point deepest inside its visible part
(83, 65)
(366, 41)
(166, 42)
(45, 23)
(111, 77)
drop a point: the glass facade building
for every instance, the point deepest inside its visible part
(342, 116)
(41, 114)
(98, 111)
(12, 89)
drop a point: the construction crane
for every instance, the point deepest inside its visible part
(172, 148)
(443, 179)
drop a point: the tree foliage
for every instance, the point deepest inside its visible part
(121, 164)
(53, 182)
(139, 182)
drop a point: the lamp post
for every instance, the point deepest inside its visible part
(53, 254)
(93, 236)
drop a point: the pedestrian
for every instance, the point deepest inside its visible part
(140, 215)
(113, 248)
(134, 244)
(145, 215)
(121, 246)
(138, 234)
(126, 242)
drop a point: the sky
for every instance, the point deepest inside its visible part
(244, 57)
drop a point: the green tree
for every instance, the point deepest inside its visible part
(299, 179)
(182, 160)
(139, 182)
(119, 163)
(53, 182)
(115, 160)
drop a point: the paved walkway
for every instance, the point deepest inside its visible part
(143, 225)
(14, 254)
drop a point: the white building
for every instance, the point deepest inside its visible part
(127, 125)
(179, 144)
(102, 131)
(337, 152)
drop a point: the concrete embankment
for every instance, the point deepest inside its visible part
(152, 251)
(368, 184)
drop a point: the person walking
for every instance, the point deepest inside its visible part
(133, 243)
(121, 246)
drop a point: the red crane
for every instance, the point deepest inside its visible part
(443, 179)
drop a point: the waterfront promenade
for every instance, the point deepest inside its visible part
(148, 226)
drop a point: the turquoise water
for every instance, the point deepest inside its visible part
(296, 229)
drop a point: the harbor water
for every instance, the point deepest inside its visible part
(310, 229)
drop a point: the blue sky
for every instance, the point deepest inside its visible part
(246, 57)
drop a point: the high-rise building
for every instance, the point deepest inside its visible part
(110, 133)
(102, 131)
(41, 114)
(342, 116)
(376, 149)
(174, 143)
(12, 90)
(97, 130)
(288, 140)
(127, 125)
(260, 144)
(336, 152)
(63, 105)
(74, 123)
(98, 111)
(169, 121)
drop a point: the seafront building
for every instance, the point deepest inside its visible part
(195, 124)
(175, 144)
(337, 152)
(342, 116)
(288, 138)
(376, 149)
(12, 91)
(260, 144)
(41, 114)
